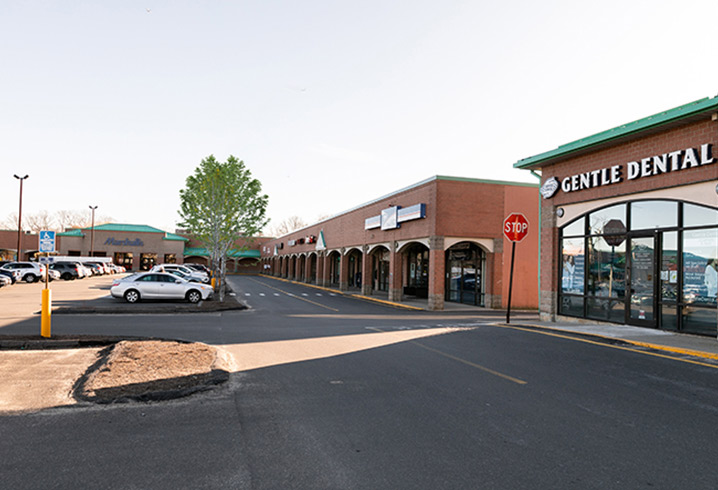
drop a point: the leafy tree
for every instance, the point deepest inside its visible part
(221, 203)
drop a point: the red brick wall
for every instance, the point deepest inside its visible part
(690, 135)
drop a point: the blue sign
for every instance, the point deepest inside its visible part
(47, 241)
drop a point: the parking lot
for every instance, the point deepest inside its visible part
(23, 300)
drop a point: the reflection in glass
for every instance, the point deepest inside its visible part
(669, 318)
(466, 261)
(642, 278)
(700, 267)
(669, 267)
(572, 305)
(649, 215)
(607, 269)
(604, 309)
(699, 320)
(699, 215)
(573, 265)
(598, 219)
(575, 228)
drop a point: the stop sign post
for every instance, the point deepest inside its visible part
(516, 227)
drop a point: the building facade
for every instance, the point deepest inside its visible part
(440, 239)
(135, 247)
(630, 223)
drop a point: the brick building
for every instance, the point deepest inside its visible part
(439, 239)
(630, 223)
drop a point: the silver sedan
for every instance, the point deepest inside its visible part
(159, 285)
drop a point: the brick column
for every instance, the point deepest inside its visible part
(548, 309)
(366, 277)
(343, 271)
(324, 278)
(437, 273)
(319, 279)
(396, 279)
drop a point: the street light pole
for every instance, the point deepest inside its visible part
(19, 220)
(92, 233)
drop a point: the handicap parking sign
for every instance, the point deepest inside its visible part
(47, 241)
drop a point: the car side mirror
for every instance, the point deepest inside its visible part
(178, 281)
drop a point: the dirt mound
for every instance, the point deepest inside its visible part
(151, 370)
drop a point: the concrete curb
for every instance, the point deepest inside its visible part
(647, 345)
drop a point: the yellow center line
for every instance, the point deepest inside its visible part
(603, 344)
(292, 295)
(464, 361)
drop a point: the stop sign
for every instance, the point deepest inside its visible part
(516, 227)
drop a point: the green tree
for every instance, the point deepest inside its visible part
(221, 203)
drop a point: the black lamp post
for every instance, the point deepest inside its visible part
(92, 232)
(19, 220)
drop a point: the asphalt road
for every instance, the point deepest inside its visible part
(476, 406)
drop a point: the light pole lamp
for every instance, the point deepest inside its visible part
(92, 232)
(19, 220)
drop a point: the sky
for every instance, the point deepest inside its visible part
(330, 104)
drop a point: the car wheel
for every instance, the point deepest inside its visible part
(66, 276)
(30, 278)
(193, 296)
(132, 296)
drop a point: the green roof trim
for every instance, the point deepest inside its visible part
(237, 254)
(697, 107)
(127, 228)
(71, 233)
(178, 238)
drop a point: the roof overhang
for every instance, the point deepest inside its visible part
(694, 111)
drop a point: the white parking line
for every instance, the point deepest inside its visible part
(305, 294)
(276, 294)
(248, 294)
(261, 294)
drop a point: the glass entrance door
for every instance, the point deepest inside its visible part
(642, 300)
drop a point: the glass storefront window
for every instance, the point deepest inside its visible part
(649, 215)
(694, 215)
(657, 269)
(607, 269)
(578, 227)
(669, 267)
(598, 219)
(465, 263)
(573, 266)
(700, 267)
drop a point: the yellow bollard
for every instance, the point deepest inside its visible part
(213, 284)
(46, 312)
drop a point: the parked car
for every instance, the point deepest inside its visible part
(30, 271)
(183, 276)
(159, 285)
(95, 269)
(200, 276)
(198, 267)
(69, 270)
(14, 276)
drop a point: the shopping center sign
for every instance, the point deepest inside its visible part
(673, 161)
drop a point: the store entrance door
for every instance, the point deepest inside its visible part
(642, 281)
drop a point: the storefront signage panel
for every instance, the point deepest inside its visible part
(646, 167)
(391, 218)
(124, 243)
